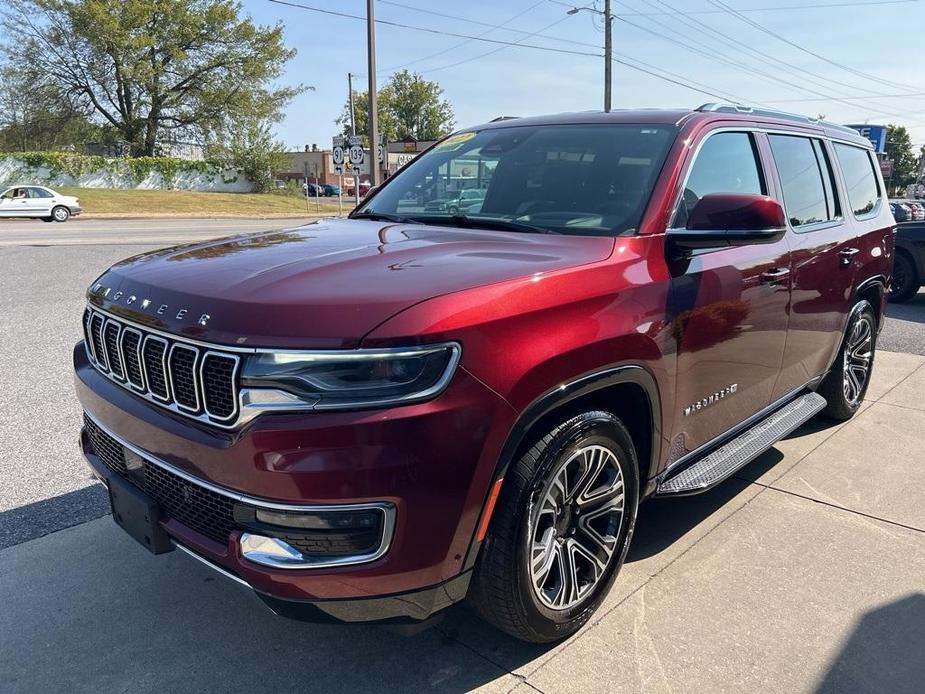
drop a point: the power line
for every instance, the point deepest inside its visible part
(785, 8)
(492, 28)
(735, 13)
(430, 30)
(918, 95)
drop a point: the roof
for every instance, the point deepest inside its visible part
(705, 113)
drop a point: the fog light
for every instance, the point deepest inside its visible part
(269, 551)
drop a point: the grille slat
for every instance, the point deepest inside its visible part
(111, 336)
(171, 373)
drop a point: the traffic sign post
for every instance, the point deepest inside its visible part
(337, 155)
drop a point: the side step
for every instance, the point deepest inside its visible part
(732, 456)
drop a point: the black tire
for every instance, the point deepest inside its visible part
(60, 213)
(503, 591)
(452, 210)
(905, 283)
(844, 398)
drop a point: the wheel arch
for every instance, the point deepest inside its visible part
(874, 290)
(629, 391)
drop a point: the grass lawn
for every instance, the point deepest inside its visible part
(106, 202)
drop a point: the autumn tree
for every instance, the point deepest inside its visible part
(151, 69)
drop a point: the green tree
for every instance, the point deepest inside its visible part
(250, 146)
(152, 69)
(31, 120)
(899, 149)
(409, 107)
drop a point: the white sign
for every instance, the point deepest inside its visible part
(337, 154)
(356, 154)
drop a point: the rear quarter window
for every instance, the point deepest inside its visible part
(861, 184)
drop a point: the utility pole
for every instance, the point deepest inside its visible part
(608, 54)
(607, 16)
(373, 110)
(353, 118)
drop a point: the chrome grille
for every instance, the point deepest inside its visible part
(175, 374)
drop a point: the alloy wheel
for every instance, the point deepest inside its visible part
(60, 214)
(857, 359)
(574, 525)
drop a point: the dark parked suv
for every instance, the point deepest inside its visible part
(370, 419)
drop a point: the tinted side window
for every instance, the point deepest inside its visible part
(801, 178)
(39, 193)
(726, 163)
(860, 179)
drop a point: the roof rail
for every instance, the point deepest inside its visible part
(500, 118)
(773, 113)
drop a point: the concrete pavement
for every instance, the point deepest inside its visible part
(805, 572)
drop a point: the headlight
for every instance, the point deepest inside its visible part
(344, 380)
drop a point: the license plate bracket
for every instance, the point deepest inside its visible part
(138, 515)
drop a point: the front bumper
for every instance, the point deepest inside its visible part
(431, 462)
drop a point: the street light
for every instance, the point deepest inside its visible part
(607, 14)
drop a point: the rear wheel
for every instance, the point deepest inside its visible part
(60, 214)
(560, 531)
(846, 384)
(905, 281)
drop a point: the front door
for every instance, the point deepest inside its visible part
(14, 203)
(728, 307)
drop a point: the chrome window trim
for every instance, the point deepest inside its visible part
(165, 401)
(119, 377)
(756, 128)
(138, 353)
(234, 374)
(387, 509)
(173, 390)
(877, 181)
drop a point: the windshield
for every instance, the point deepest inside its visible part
(568, 179)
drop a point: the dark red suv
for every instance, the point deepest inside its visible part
(369, 419)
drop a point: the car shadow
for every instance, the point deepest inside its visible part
(912, 310)
(664, 521)
(884, 653)
(50, 515)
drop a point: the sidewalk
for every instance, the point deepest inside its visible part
(806, 572)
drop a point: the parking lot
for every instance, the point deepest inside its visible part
(805, 572)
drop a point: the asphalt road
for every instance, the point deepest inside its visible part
(104, 616)
(164, 232)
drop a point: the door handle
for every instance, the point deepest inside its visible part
(847, 255)
(774, 275)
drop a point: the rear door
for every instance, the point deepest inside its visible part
(824, 257)
(727, 306)
(40, 201)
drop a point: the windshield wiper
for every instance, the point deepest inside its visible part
(482, 223)
(381, 217)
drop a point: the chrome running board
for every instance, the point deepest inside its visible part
(732, 456)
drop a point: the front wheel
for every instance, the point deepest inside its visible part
(846, 384)
(560, 531)
(60, 214)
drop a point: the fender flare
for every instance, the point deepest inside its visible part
(557, 397)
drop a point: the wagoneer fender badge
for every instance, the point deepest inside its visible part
(710, 399)
(132, 299)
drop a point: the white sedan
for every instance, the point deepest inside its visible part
(38, 202)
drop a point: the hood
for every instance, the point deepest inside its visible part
(324, 285)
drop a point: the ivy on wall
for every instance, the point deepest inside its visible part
(136, 169)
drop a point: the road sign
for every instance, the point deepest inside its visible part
(875, 133)
(337, 154)
(356, 154)
(381, 153)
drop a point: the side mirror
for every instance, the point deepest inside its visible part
(719, 220)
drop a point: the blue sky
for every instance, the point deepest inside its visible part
(483, 80)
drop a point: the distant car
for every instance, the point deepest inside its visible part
(313, 190)
(463, 202)
(918, 210)
(331, 191)
(909, 262)
(38, 202)
(901, 213)
(364, 189)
